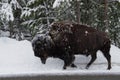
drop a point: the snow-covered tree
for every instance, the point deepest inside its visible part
(6, 15)
(114, 22)
(10, 12)
(37, 15)
(24, 18)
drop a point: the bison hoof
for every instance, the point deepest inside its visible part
(86, 67)
(73, 65)
(108, 68)
(64, 67)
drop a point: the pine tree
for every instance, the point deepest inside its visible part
(37, 15)
(10, 19)
(6, 16)
(25, 18)
(114, 22)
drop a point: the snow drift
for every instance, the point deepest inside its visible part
(17, 57)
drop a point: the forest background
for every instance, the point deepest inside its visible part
(23, 19)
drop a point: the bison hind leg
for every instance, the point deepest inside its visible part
(108, 57)
(93, 58)
(106, 52)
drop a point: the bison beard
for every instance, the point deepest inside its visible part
(81, 39)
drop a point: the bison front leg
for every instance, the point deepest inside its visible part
(93, 58)
(68, 61)
(73, 65)
(66, 64)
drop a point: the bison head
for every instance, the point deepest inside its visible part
(41, 45)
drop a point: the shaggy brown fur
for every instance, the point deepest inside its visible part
(81, 39)
(44, 48)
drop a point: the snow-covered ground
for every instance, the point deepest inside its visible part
(17, 57)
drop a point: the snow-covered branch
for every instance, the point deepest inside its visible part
(6, 12)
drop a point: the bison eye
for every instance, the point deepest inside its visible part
(54, 28)
(54, 32)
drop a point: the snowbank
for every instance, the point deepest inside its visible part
(17, 57)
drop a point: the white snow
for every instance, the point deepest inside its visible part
(6, 12)
(57, 3)
(4, 33)
(17, 57)
(15, 4)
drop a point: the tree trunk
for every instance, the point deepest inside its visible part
(10, 23)
(77, 10)
(106, 15)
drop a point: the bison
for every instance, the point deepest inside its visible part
(44, 47)
(81, 39)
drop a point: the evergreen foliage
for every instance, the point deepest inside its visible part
(22, 19)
